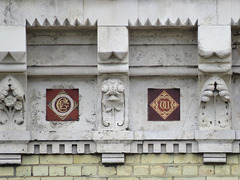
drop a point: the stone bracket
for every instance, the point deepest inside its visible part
(112, 44)
(214, 158)
(10, 159)
(113, 158)
(113, 141)
(215, 141)
(214, 49)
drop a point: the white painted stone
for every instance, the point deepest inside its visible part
(112, 44)
(213, 141)
(214, 40)
(13, 39)
(113, 158)
(160, 10)
(214, 158)
(10, 159)
(12, 101)
(111, 13)
(113, 141)
(188, 98)
(12, 45)
(112, 109)
(88, 44)
(215, 105)
(224, 12)
(113, 103)
(113, 68)
(77, 47)
(37, 105)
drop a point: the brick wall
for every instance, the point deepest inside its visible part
(136, 167)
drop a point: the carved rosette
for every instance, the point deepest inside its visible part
(214, 111)
(12, 99)
(113, 103)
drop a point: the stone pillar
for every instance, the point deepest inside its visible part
(214, 50)
(13, 87)
(112, 112)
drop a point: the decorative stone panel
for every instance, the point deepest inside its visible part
(113, 52)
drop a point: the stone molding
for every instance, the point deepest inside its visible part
(112, 133)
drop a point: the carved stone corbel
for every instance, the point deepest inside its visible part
(214, 49)
(112, 44)
(214, 105)
(113, 104)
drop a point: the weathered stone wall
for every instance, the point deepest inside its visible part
(136, 167)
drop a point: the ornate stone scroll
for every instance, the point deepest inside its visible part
(113, 103)
(215, 98)
(12, 98)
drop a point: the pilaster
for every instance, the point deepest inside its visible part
(113, 79)
(215, 63)
(13, 87)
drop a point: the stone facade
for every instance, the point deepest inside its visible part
(115, 55)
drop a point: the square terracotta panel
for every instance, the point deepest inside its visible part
(62, 105)
(163, 104)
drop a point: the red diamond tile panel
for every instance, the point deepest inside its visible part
(163, 104)
(62, 105)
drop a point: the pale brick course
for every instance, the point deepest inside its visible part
(107, 171)
(24, 178)
(232, 159)
(157, 158)
(235, 170)
(222, 178)
(137, 167)
(141, 170)
(174, 170)
(222, 169)
(40, 170)
(123, 178)
(56, 171)
(133, 159)
(190, 170)
(157, 170)
(6, 171)
(89, 170)
(206, 170)
(57, 178)
(81, 178)
(87, 159)
(56, 159)
(156, 178)
(189, 178)
(124, 170)
(73, 170)
(23, 171)
(188, 159)
(30, 159)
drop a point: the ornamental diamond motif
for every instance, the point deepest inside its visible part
(62, 105)
(164, 105)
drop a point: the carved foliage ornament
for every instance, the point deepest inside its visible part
(215, 98)
(12, 99)
(113, 107)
